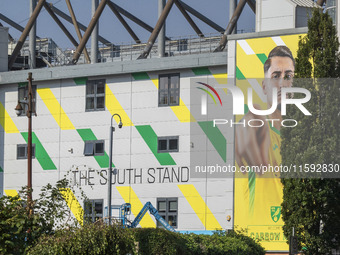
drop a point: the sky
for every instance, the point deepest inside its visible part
(110, 27)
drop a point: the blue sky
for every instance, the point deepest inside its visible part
(110, 27)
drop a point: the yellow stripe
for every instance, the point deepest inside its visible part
(11, 192)
(113, 105)
(181, 111)
(199, 206)
(129, 196)
(261, 45)
(221, 78)
(55, 109)
(155, 81)
(6, 122)
(253, 70)
(73, 204)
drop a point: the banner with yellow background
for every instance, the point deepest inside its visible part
(258, 197)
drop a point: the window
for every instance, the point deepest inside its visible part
(115, 52)
(168, 93)
(22, 151)
(182, 45)
(95, 95)
(168, 144)
(168, 209)
(23, 97)
(94, 148)
(93, 210)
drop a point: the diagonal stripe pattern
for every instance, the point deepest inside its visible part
(113, 105)
(55, 109)
(73, 204)
(199, 206)
(6, 121)
(87, 135)
(40, 153)
(216, 138)
(150, 138)
(129, 196)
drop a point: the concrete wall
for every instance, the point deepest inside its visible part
(274, 15)
(3, 49)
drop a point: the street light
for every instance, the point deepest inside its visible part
(18, 110)
(112, 129)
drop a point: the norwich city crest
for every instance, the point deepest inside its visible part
(275, 213)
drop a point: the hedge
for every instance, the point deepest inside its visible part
(101, 239)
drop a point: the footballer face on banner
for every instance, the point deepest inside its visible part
(252, 142)
(267, 69)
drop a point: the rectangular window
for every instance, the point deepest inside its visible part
(95, 95)
(23, 97)
(93, 210)
(168, 209)
(168, 144)
(22, 151)
(182, 45)
(168, 94)
(94, 148)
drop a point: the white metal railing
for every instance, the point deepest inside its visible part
(47, 50)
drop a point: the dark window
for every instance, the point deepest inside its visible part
(168, 144)
(94, 148)
(182, 45)
(93, 210)
(23, 97)
(168, 93)
(95, 95)
(115, 52)
(22, 151)
(168, 209)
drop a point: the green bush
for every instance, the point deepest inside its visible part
(87, 240)
(223, 242)
(23, 221)
(160, 241)
(101, 239)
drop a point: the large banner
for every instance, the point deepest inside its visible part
(258, 195)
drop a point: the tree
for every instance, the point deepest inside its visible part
(20, 229)
(311, 204)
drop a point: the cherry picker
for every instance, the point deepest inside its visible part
(125, 210)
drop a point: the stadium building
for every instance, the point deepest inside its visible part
(154, 151)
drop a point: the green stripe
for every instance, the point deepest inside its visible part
(140, 76)
(80, 80)
(40, 153)
(201, 71)
(1, 170)
(208, 94)
(22, 84)
(274, 129)
(150, 138)
(216, 138)
(246, 109)
(88, 135)
(251, 186)
(239, 74)
(262, 57)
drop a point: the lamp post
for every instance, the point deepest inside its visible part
(18, 110)
(112, 129)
